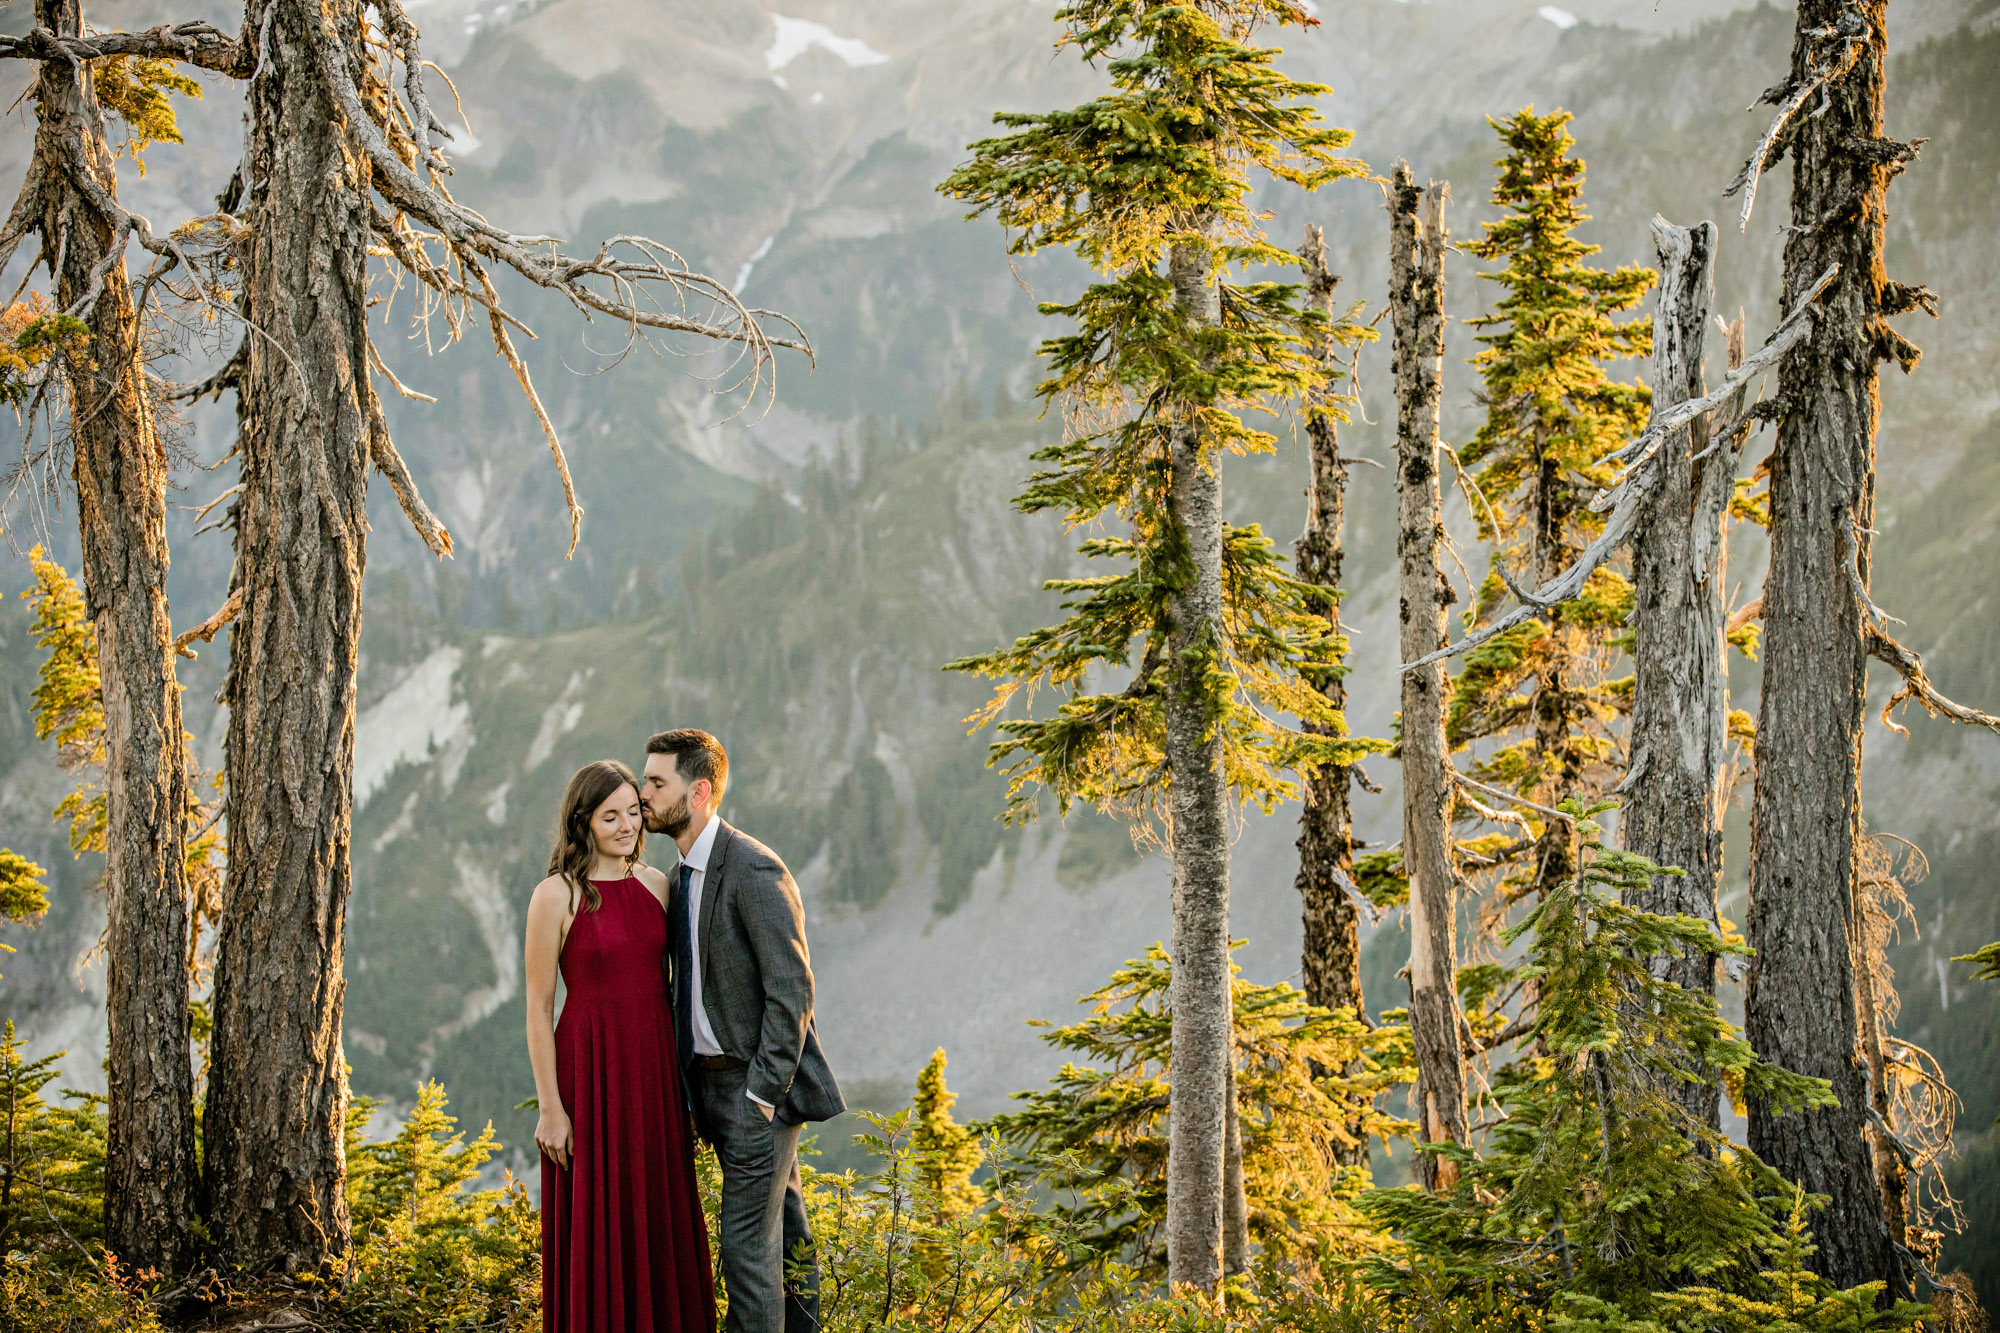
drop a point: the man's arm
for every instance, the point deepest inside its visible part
(775, 922)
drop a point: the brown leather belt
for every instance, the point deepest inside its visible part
(719, 1062)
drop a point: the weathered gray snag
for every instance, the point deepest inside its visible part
(277, 1093)
(1416, 304)
(1805, 817)
(121, 485)
(1674, 786)
(1199, 810)
(1331, 956)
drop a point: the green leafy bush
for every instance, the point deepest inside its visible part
(428, 1253)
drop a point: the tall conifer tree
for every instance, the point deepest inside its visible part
(1149, 184)
(1552, 414)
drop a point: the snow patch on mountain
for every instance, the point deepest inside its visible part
(743, 273)
(795, 37)
(558, 720)
(404, 725)
(1562, 18)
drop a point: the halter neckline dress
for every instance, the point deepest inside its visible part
(624, 1243)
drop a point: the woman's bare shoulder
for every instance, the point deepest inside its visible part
(553, 892)
(652, 878)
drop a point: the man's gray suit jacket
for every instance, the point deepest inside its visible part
(757, 981)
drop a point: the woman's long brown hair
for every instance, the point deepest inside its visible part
(575, 850)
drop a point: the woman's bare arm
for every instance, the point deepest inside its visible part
(549, 918)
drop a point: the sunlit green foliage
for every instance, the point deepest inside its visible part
(23, 895)
(1785, 1297)
(1593, 1182)
(135, 88)
(1097, 1135)
(31, 335)
(1161, 164)
(69, 697)
(51, 1162)
(429, 1254)
(946, 1152)
(1552, 415)
(1988, 959)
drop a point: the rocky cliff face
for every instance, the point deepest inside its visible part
(801, 609)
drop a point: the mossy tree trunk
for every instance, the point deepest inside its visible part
(121, 476)
(1805, 817)
(277, 1086)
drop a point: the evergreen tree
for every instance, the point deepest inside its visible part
(1307, 1083)
(1149, 184)
(1552, 414)
(51, 1163)
(1598, 1193)
(946, 1153)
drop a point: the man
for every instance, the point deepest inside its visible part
(742, 988)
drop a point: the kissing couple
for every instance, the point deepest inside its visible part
(689, 1010)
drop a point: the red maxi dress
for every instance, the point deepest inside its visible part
(624, 1244)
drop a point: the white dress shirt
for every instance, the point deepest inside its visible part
(696, 859)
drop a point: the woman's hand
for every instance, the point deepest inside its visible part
(554, 1136)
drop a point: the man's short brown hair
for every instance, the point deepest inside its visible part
(696, 755)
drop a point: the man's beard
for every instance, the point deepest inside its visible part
(672, 822)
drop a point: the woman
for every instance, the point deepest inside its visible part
(624, 1246)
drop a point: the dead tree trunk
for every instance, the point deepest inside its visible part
(1331, 957)
(1199, 809)
(1673, 815)
(121, 486)
(277, 1088)
(1416, 304)
(1806, 813)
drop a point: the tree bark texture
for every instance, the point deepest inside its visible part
(1331, 957)
(1554, 707)
(277, 1088)
(1673, 814)
(1198, 802)
(151, 1178)
(1235, 1194)
(1416, 305)
(1806, 812)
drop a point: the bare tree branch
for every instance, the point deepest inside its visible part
(1753, 170)
(1504, 795)
(1795, 328)
(465, 229)
(209, 628)
(1917, 686)
(225, 378)
(382, 453)
(200, 44)
(1749, 611)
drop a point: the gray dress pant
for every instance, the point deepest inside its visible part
(768, 1264)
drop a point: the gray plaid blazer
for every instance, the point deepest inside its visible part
(757, 981)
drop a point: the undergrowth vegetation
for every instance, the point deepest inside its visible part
(1578, 1215)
